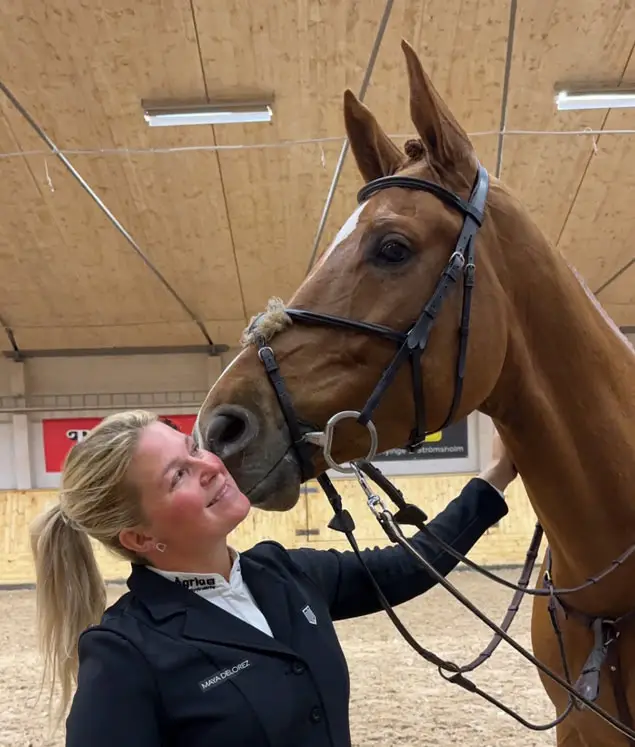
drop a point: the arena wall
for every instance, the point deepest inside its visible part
(41, 389)
(306, 525)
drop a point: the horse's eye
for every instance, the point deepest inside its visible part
(392, 250)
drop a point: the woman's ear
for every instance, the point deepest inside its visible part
(137, 541)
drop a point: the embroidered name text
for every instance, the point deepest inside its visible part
(220, 677)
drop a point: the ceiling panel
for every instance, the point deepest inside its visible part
(275, 198)
(87, 95)
(231, 228)
(598, 234)
(559, 43)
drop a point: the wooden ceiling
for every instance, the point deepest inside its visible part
(230, 227)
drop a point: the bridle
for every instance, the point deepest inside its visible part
(411, 346)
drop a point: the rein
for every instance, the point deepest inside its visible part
(411, 346)
(607, 631)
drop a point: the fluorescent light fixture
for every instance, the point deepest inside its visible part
(207, 114)
(595, 100)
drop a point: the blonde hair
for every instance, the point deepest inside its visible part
(96, 500)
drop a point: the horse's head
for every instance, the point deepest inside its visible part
(384, 266)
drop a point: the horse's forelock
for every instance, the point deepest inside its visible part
(268, 323)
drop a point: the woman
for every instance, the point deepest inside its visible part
(207, 647)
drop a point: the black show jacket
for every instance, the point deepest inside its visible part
(167, 668)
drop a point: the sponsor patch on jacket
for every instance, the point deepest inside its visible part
(196, 583)
(227, 674)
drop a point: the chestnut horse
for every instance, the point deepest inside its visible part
(542, 360)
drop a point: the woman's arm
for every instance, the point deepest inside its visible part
(345, 584)
(461, 524)
(116, 699)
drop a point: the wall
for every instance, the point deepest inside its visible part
(87, 387)
(7, 456)
(136, 373)
(168, 384)
(6, 366)
(78, 387)
(23, 465)
(505, 543)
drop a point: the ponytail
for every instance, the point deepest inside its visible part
(98, 501)
(70, 596)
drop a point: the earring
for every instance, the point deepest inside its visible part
(160, 546)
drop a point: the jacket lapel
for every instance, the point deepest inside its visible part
(204, 621)
(272, 596)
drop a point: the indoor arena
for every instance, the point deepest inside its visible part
(169, 167)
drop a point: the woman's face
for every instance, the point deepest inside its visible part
(188, 497)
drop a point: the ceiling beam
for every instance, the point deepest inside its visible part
(210, 350)
(505, 94)
(615, 276)
(15, 353)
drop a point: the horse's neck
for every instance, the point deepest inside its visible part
(565, 405)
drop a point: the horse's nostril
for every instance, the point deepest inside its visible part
(225, 429)
(230, 429)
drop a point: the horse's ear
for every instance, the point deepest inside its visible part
(374, 151)
(445, 140)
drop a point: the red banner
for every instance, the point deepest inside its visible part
(60, 435)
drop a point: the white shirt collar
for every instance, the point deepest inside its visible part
(211, 583)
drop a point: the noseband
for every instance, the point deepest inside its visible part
(412, 343)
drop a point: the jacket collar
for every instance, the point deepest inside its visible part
(169, 604)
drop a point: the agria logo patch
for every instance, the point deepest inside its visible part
(196, 583)
(224, 676)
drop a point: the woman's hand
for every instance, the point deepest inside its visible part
(501, 470)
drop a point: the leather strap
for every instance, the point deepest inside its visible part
(619, 692)
(410, 182)
(301, 448)
(316, 317)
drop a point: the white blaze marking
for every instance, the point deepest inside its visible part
(196, 431)
(614, 328)
(228, 366)
(346, 230)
